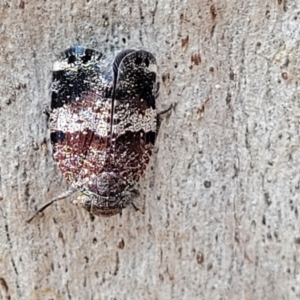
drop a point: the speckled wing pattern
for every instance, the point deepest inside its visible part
(103, 123)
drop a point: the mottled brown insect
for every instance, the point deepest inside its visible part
(103, 124)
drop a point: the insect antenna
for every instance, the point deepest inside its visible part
(59, 197)
(135, 207)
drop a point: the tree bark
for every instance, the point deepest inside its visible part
(219, 205)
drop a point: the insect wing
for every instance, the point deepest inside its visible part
(135, 116)
(80, 107)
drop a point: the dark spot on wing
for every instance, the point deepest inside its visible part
(57, 136)
(150, 137)
(71, 59)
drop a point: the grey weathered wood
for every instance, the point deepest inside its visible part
(221, 204)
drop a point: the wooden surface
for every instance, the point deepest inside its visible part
(220, 204)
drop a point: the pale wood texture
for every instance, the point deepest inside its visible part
(220, 203)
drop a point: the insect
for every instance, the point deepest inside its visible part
(103, 124)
